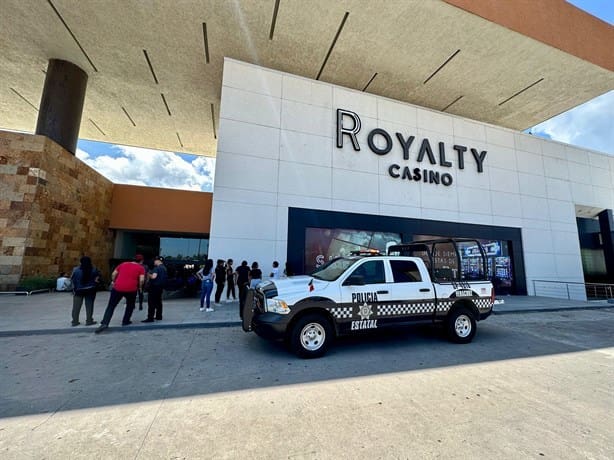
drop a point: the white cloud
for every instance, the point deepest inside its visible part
(154, 168)
(590, 125)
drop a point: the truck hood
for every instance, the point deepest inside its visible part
(298, 286)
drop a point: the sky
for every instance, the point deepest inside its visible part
(590, 125)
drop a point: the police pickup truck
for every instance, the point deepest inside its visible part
(434, 281)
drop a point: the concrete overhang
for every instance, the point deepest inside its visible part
(155, 67)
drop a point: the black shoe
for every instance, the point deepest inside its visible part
(75, 324)
(159, 319)
(148, 320)
(101, 328)
(89, 323)
(126, 323)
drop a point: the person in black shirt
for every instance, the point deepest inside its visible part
(230, 280)
(155, 286)
(243, 283)
(220, 280)
(255, 276)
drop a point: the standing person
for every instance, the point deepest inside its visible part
(275, 271)
(141, 260)
(243, 283)
(206, 275)
(127, 278)
(230, 281)
(157, 280)
(220, 280)
(85, 280)
(255, 276)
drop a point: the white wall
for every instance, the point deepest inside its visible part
(277, 149)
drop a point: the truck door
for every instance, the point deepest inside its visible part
(362, 291)
(411, 291)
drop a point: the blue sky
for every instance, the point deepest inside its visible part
(590, 125)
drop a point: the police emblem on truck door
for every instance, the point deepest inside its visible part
(365, 322)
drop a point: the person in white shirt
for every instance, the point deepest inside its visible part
(63, 283)
(275, 272)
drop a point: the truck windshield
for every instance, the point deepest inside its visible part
(333, 269)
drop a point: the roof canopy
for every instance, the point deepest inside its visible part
(155, 67)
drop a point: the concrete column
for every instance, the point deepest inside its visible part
(61, 106)
(606, 227)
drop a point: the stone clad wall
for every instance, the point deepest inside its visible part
(53, 209)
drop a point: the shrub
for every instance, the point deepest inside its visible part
(34, 283)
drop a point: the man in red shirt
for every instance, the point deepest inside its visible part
(128, 278)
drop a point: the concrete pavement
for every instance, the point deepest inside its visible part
(529, 386)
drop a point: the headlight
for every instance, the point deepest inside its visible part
(277, 306)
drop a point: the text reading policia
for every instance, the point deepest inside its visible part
(406, 172)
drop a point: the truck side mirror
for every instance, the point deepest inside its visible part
(354, 280)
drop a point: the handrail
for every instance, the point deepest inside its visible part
(590, 290)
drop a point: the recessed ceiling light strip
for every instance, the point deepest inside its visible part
(213, 121)
(129, 117)
(452, 103)
(179, 139)
(442, 66)
(332, 45)
(150, 66)
(72, 35)
(206, 40)
(521, 91)
(166, 105)
(274, 21)
(24, 99)
(96, 126)
(372, 78)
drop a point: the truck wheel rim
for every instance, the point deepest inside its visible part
(462, 325)
(313, 336)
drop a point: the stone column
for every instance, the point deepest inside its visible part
(61, 106)
(606, 227)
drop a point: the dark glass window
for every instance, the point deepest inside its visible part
(405, 271)
(372, 271)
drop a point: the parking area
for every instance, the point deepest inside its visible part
(530, 385)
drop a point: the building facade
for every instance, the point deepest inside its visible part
(306, 170)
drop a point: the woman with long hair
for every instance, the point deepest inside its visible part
(206, 275)
(85, 280)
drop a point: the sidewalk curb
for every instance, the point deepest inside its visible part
(114, 329)
(547, 310)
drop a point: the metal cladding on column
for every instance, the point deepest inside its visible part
(606, 227)
(61, 106)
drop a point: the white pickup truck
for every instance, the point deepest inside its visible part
(431, 281)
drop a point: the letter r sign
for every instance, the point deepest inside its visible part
(341, 130)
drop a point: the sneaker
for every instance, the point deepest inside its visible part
(101, 328)
(75, 324)
(148, 320)
(201, 309)
(89, 323)
(210, 309)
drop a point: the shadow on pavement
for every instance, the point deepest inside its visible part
(49, 373)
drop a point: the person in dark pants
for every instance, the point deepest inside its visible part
(230, 281)
(127, 279)
(140, 292)
(157, 280)
(85, 280)
(220, 280)
(243, 283)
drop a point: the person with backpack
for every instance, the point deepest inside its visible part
(220, 280)
(155, 287)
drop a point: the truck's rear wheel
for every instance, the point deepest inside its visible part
(461, 325)
(311, 336)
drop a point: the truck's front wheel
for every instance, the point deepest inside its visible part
(310, 336)
(461, 325)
